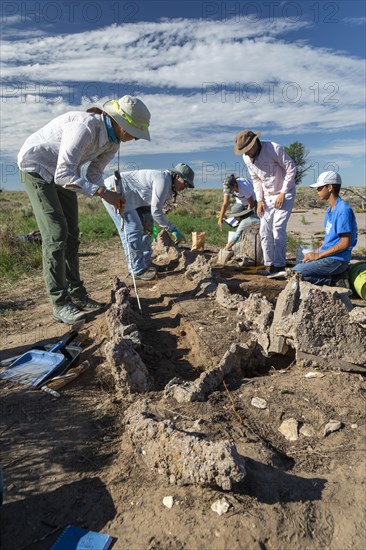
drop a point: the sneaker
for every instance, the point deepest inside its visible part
(88, 304)
(67, 313)
(277, 271)
(278, 274)
(147, 275)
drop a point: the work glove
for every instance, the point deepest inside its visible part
(178, 237)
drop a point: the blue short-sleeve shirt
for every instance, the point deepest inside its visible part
(337, 221)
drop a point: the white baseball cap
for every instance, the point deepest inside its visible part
(327, 178)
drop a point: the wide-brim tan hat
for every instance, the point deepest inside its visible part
(244, 141)
(131, 114)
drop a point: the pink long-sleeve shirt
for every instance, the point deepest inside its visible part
(272, 172)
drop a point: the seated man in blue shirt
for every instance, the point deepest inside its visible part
(325, 265)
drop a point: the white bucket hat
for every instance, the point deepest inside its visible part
(327, 178)
(131, 114)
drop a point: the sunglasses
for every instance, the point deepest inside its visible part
(179, 178)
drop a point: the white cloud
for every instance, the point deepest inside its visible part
(344, 147)
(355, 20)
(203, 81)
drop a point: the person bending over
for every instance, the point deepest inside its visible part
(150, 188)
(242, 190)
(50, 163)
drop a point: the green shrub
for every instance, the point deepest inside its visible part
(17, 257)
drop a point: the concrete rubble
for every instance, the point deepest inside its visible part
(358, 316)
(210, 380)
(200, 270)
(121, 318)
(226, 299)
(249, 249)
(128, 369)
(289, 429)
(224, 256)
(183, 457)
(319, 324)
(164, 249)
(256, 315)
(220, 506)
(332, 426)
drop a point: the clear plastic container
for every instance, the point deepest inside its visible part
(301, 251)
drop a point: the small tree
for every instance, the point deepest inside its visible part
(299, 155)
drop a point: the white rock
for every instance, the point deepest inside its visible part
(314, 374)
(307, 430)
(332, 426)
(168, 502)
(288, 429)
(259, 403)
(220, 506)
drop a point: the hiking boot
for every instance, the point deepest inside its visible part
(147, 275)
(67, 313)
(266, 270)
(88, 304)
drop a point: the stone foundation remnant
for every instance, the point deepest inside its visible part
(183, 457)
(164, 249)
(128, 369)
(321, 324)
(226, 299)
(224, 256)
(249, 249)
(210, 380)
(256, 315)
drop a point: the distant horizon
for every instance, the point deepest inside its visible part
(217, 188)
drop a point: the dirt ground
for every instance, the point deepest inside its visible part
(69, 460)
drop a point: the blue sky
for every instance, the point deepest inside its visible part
(206, 70)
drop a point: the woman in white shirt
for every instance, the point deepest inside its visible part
(50, 162)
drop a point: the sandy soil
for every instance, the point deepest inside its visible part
(69, 460)
(306, 224)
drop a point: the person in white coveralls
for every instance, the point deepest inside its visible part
(273, 175)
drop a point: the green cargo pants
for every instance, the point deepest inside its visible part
(56, 212)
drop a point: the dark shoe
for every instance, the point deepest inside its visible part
(268, 269)
(342, 282)
(67, 313)
(88, 305)
(147, 275)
